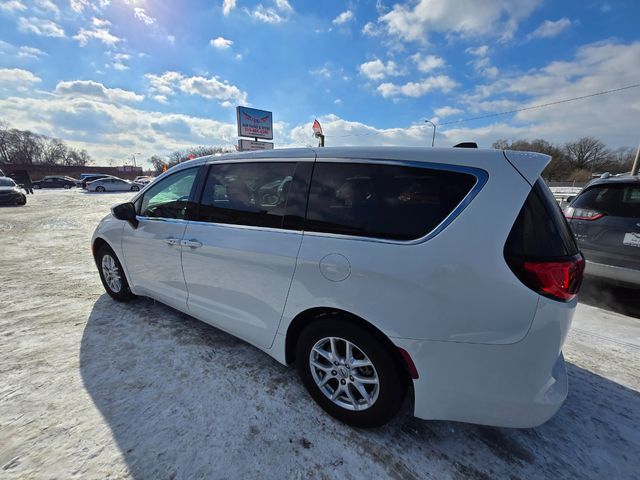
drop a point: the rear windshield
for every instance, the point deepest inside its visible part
(615, 199)
(540, 231)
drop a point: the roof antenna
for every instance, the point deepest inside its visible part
(466, 145)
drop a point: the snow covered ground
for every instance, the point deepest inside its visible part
(94, 389)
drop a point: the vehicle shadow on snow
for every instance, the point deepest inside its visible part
(185, 400)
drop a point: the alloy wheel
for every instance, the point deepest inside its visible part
(344, 373)
(111, 273)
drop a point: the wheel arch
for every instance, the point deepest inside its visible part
(317, 314)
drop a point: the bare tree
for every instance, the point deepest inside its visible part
(587, 153)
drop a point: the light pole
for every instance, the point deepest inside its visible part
(433, 139)
(133, 157)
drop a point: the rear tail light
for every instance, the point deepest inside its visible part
(572, 213)
(559, 280)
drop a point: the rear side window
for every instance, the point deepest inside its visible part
(253, 194)
(540, 231)
(615, 199)
(382, 201)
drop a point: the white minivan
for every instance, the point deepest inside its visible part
(450, 274)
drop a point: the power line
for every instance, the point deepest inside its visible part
(490, 115)
(541, 105)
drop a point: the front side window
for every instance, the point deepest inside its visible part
(247, 193)
(169, 198)
(382, 201)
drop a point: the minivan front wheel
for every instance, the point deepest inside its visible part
(349, 372)
(112, 275)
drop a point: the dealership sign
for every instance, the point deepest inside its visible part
(254, 123)
(247, 145)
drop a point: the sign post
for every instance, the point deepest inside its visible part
(317, 132)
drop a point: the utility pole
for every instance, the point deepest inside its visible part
(636, 163)
(433, 139)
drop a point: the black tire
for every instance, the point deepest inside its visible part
(392, 383)
(135, 188)
(124, 293)
(66, 186)
(36, 187)
(100, 189)
(23, 200)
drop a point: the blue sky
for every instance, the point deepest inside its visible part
(119, 77)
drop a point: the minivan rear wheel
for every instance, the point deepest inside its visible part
(112, 275)
(349, 372)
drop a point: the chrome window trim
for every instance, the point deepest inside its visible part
(262, 160)
(481, 179)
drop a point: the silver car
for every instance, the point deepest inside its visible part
(113, 184)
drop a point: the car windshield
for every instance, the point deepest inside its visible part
(7, 182)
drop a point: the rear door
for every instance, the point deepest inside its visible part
(606, 221)
(240, 250)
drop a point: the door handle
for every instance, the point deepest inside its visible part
(172, 241)
(191, 243)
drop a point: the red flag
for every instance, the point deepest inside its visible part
(317, 129)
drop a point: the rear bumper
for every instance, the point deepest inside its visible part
(519, 385)
(610, 272)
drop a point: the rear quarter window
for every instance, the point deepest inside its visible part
(382, 201)
(540, 231)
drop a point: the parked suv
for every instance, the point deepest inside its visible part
(605, 218)
(450, 273)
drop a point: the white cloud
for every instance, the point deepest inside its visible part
(447, 111)
(468, 18)
(30, 52)
(596, 67)
(481, 62)
(120, 66)
(141, 15)
(277, 14)
(100, 32)
(550, 29)
(377, 69)
(170, 82)
(443, 83)
(371, 29)
(40, 26)
(16, 77)
(324, 72)
(221, 43)
(338, 101)
(89, 88)
(228, 6)
(113, 130)
(12, 6)
(79, 6)
(427, 63)
(343, 18)
(214, 89)
(171, 39)
(48, 5)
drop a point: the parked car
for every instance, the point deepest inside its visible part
(144, 180)
(605, 218)
(113, 184)
(52, 181)
(11, 193)
(90, 178)
(374, 270)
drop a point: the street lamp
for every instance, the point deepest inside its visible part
(133, 157)
(433, 139)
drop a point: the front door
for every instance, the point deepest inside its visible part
(153, 250)
(240, 252)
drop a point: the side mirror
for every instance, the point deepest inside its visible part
(570, 199)
(126, 211)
